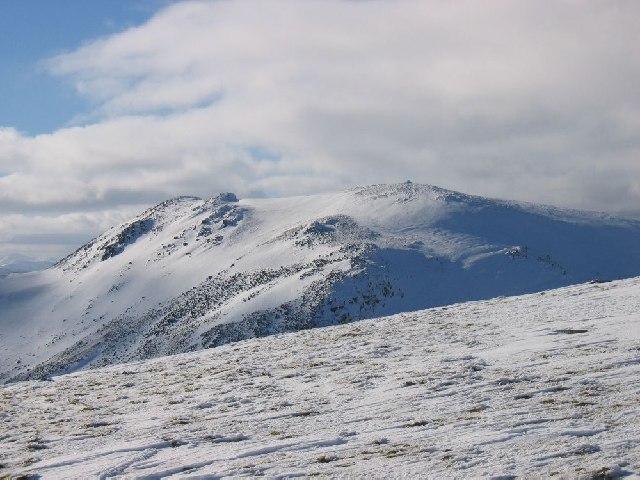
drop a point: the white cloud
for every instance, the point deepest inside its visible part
(52, 236)
(532, 100)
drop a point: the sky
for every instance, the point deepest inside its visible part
(108, 107)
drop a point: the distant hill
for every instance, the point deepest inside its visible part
(17, 263)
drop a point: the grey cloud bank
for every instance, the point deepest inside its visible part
(532, 100)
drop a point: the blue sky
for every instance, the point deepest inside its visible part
(31, 31)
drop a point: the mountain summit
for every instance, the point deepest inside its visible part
(190, 273)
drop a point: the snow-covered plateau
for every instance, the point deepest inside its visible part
(536, 386)
(190, 274)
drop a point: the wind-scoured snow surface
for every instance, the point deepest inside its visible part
(191, 274)
(537, 386)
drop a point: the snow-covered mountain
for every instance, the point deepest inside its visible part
(540, 386)
(190, 273)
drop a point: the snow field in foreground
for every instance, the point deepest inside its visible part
(541, 385)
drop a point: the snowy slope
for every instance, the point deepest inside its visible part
(191, 274)
(538, 386)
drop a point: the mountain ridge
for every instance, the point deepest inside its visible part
(191, 273)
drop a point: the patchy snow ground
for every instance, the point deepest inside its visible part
(541, 385)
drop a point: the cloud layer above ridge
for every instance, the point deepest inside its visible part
(532, 100)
